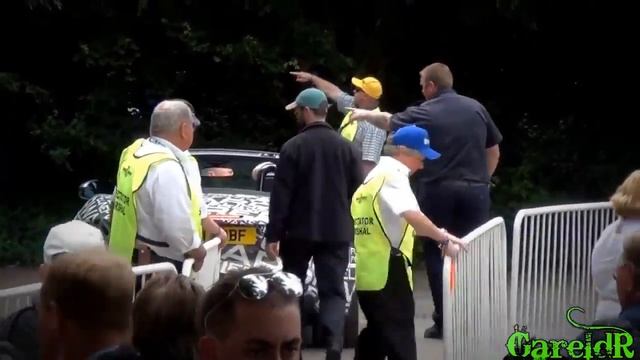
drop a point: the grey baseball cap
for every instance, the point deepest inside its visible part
(70, 237)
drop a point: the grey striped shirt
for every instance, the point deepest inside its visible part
(369, 138)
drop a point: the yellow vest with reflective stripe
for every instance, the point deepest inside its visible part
(132, 172)
(348, 130)
(373, 246)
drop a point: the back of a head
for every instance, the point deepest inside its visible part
(168, 115)
(217, 311)
(626, 200)
(440, 74)
(92, 289)
(164, 320)
(71, 237)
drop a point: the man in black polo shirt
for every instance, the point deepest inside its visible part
(453, 191)
(310, 209)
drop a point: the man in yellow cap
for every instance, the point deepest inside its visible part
(369, 139)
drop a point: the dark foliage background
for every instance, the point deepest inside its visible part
(78, 80)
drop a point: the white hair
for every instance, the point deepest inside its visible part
(393, 150)
(168, 115)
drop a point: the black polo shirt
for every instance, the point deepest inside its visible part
(460, 129)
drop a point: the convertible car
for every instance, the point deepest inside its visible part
(236, 184)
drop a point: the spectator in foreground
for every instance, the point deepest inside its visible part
(251, 314)
(164, 314)
(608, 248)
(85, 307)
(20, 329)
(627, 283)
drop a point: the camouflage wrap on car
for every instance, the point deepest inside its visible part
(233, 209)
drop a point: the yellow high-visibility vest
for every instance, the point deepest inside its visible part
(132, 172)
(373, 246)
(348, 130)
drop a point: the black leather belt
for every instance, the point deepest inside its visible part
(145, 240)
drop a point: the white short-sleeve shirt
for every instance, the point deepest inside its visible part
(396, 196)
(163, 207)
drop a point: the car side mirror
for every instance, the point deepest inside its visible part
(91, 188)
(264, 174)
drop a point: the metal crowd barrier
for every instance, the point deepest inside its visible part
(143, 272)
(16, 298)
(210, 271)
(551, 266)
(475, 296)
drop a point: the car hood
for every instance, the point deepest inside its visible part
(238, 209)
(233, 208)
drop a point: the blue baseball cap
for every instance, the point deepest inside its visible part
(311, 98)
(415, 138)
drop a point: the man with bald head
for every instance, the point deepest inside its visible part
(158, 197)
(453, 191)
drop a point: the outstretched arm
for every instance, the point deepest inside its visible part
(381, 120)
(331, 90)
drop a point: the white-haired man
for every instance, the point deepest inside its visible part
(158, 198)
(386, 216)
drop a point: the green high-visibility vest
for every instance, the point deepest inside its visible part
(349, 130)
(373, 246)
(132, 172)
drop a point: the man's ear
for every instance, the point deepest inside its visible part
(207, 348)
(184, 130)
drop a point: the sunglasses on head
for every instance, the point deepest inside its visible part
(257, 287)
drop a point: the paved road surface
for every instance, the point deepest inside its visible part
(427, 349)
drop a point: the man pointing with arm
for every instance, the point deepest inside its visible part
(367, 138)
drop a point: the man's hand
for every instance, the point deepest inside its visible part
(453, 247)
(212, 229)
(222, 235)
(198, 255)
(273, 250)
(377, 118)
(360, 114)
(302, 76)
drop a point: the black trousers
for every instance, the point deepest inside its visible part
(459, 207)
(330, 260)
(390, 330)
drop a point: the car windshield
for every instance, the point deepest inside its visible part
(230, 171)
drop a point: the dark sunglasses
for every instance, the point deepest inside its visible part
(257, 287)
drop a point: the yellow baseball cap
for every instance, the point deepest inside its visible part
(370, 85)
